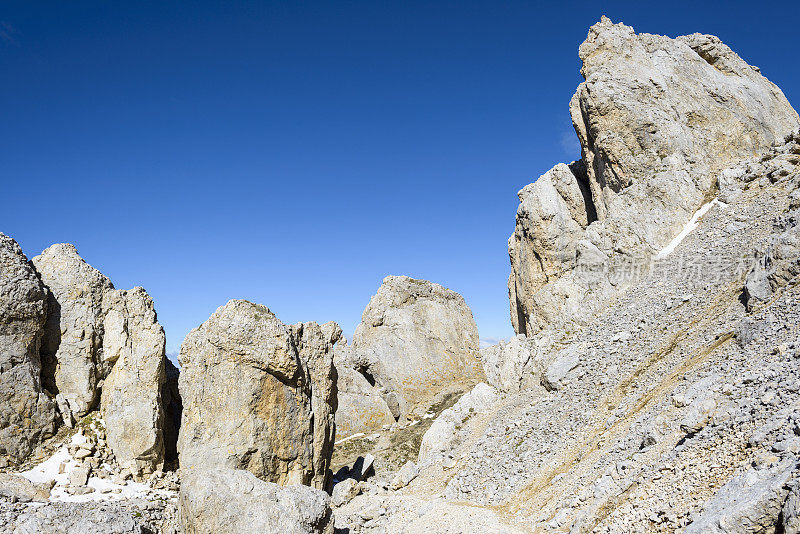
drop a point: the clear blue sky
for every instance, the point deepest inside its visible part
(295, 153)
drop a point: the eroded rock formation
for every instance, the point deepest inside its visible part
(258, 395)
(27, 413)
(72, 349)
(104, 342)
(415, 340)
(657, 119)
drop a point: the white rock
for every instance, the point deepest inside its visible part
(442, 434)
(404, 476)
(233, 502)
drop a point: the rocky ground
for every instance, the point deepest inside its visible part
(76, 486)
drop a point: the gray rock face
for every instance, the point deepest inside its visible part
(22, 489)
(416, 338)
(97, 335)
(657, 119)
(315, 346)
(131, 401)
(791, 510)
(361, 406)
(778, 265)
(513, 366)
(750, 502)
(78, 518)
(258, 395)
(72, 350)
(233, 502)
(560, 369)
(27, 414)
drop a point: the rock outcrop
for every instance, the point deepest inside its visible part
(27, 413)
(225, 501)
(416, 339)
(72, 349)
(131, 400)
(104, 342)
(361, 406)
(258, 395)
(657, 119)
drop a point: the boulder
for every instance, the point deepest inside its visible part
(22, 489)
(404, 476)
(512, 366)
(225, 501)
(81, 518)
(657, 119)
(258, 395)
(131, 401)
(791, 509)
(27, 413)
(361, 406)
(559, 369)
(344, 492)
(749, 502)
(72, 349)
(441, 436)
(415, 340)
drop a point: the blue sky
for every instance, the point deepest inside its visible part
(295, 153)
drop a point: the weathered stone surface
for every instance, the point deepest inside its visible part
(97, 335)
(27, 414)
(79, 518)
(440, 436)
(258, 395)
(512, 366)
(72, 349)
(234, 501)
(778, 265)
(344, 492)
(415, 339)
(749, 502)
(361, 406)
(315, 347)
(559, 369)
(131, 401)
(657, 119)
(404, 476)
(22, 489)
(791, 509)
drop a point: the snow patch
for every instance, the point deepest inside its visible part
(348, 438)
(693, 223)
(49, 470)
